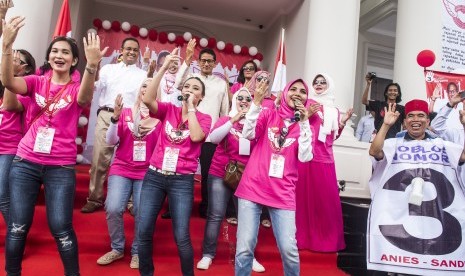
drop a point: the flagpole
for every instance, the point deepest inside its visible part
(282, 45)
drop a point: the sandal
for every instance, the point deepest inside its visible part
(266, 223)
(232, 221)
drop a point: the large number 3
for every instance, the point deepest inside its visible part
(451, 236)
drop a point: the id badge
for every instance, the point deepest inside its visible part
(44, 140)
(170, 159)
(277, 165)
(322, 137)
(1, 118)
(244, 146)
(139, 151)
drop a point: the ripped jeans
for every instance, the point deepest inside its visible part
(59, 185)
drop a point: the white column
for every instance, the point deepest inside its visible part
(332, 48)
(35, 35)
(418, 28)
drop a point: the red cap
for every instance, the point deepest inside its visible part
(416, 105)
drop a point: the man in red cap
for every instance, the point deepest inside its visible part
(417, 211)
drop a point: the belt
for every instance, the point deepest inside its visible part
(163, 171)
(106, 108)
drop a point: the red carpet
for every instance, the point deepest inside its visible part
(42, 259)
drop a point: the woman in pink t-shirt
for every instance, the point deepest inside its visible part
(318, 212)
(172, 167)
(12, 124)
(267, 102)
(136, 134)
(245, 74)
(44, 154)
(270, 176)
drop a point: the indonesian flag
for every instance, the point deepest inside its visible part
(280, 81)
(63, 27)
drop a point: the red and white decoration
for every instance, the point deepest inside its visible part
(280, 80)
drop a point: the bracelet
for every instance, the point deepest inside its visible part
(7, 53)
(191, 110)
(113, 120)
(90, 70)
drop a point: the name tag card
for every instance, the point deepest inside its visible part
(244, 146)
(139, 151)
(170, 159)
(44, 140)
(277, 165)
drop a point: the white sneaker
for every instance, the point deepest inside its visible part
(204, 263)
(257, 267)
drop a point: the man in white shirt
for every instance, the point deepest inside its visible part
(365, 128)
(122, 78)
(215, 103)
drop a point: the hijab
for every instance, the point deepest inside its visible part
(284, 110)
(140, 115)
(234, 110)
(326, 99)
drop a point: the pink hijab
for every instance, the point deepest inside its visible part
(252, 84)
(284, 110)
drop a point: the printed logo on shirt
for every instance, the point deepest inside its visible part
(237, 134)
(175, 135)
(277, 141)
(53, 108)
(131, 128)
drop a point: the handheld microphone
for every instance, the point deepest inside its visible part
(183, 97)
(296, 112)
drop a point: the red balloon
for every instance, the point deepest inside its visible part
(259, 56)
(197, 39)
(152, 35)
(426, 58)
(179, 40)
(244, 50)
(134, 30)
(228, 48)
(80, 132)
(162, 37)
(80, 149)
(211, 42)
(97, 23)
(116, 26)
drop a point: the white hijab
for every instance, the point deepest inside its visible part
(234, 110)
(330, 113)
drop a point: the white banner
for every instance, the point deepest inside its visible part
(406, 238)
(453, 35)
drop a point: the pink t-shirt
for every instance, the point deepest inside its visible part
(268, 103)
(189, 152)
(322, 152)
(256, 185)
(63, 116)
(235, 87)
(12, 127)
(124, 164)
(231, 142)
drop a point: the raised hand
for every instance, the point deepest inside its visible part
(368, 79)
(190, 51)
(173, 56)
(146, 57)
(118, 107)
(436, 92)
(347, 116)
(313, 108)
(4, 6)
(390, 114)
(92, 49)
(11, 28)
(260, 92)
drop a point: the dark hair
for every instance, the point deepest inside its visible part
(399, 96)
(241, 77)
(161, 55)
(432, 115)
(207, 51)
(450, 84)
(201, 83)
(30, 61)
(129, 39)
(74, 51)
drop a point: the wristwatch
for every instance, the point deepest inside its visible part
(113, 120)
(91, 70)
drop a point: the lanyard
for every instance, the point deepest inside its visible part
(55, 99)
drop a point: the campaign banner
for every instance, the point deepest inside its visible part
(406, 238)
(434, 79)
(453, 35)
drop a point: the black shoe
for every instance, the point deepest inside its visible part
(166, 215)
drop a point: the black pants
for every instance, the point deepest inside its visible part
(206, 156)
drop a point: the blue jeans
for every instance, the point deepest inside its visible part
(283, 229)
(59, 186)
(119, 191)
(180, 192)
(5, 164)
(218, 198)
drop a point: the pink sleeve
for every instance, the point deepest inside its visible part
(161, 112)
(25, 101)
(205, 124)
(236, 86)
(32, 83)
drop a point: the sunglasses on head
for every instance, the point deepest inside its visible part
(322, 82)
(241, 98)
(259, 79)
(248, 68)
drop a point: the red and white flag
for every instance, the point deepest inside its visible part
(280, 80)
(63, 27)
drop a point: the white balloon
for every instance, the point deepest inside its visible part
(125, 26)
(237, 49)
(92, 31)
(220, 45)
(79, 158)
(257, 62)
(203, 42)
(171, 37)
(187, 36)
(253, 51)
(78, 140)
(106, 24)
(82, 121)
(143, 32)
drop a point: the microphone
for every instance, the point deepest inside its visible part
(296, 112)
(183, 97)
